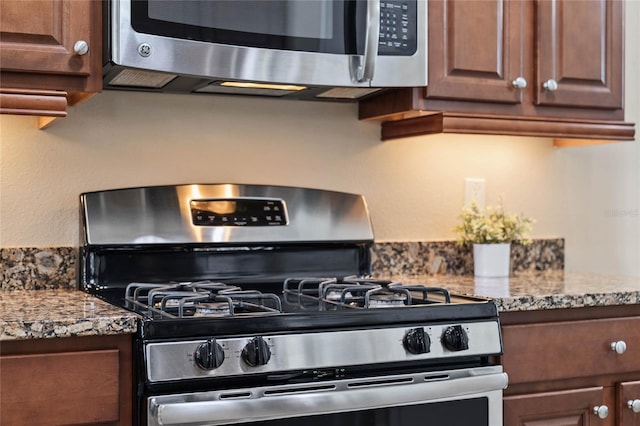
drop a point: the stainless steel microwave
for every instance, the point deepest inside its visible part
(220, 45)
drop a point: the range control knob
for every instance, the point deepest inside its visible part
(256, 352)
(417, 341)
(209, 355)
(455, 338)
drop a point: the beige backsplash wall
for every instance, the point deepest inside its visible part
(414, 187)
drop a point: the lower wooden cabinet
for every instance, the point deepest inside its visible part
(576, 407)
(70, 381)
(572, 367)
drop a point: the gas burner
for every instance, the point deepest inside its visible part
(386, 301)
(199, 299)
(208, 309)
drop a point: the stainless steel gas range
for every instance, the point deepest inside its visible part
(256, 307)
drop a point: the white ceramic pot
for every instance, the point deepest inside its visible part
(492, 260)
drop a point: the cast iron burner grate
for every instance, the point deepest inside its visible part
(199, 299)
(354, 292)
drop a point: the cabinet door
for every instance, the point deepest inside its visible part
(476, 49)
(628, 394)
(573, 407)
(37, 47)
(580, 48)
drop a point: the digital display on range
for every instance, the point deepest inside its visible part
(238, 212)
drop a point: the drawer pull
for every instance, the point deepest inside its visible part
(619, 347)
(601, 411)
(634, 405)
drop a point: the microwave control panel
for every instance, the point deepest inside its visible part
(238, 212)
(398, 27)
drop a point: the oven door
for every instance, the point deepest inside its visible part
(470, 397)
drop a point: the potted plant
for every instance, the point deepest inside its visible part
(491, 231)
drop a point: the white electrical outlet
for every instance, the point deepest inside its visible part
(474, 190)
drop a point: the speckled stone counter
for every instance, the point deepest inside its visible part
(28, 314)
(539, 283)
(37, 268)
(450, 258)
(539, 290)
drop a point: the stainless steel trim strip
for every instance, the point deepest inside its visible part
(210, 408)
(290, 352)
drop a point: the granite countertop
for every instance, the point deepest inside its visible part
(528, 291)
(35, 314)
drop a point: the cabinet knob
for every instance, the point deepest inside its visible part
(519, 83)
(81, 47)
(634, 405)
(551, 85)
(619, 347)
(601, 411)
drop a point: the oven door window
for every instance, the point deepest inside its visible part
(321, 26)
(467, 412)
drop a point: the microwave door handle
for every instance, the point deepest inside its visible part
(365, 65)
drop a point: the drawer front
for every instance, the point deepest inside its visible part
(60, 388)
(570, 349)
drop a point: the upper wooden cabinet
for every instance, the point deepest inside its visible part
(476, 48)
(579, 54)
(541, 68)
(48, 45)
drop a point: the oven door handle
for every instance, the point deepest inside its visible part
(334, 397)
